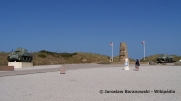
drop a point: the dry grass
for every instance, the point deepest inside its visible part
(154, 58)
(3, 58)
(51, 58)
(56, 58)
(116, 59)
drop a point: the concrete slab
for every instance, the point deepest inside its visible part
(20, 64)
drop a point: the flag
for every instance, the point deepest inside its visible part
(143, 42)
(111, 44)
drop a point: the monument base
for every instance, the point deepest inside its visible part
(126, 68)
(20, 64)
(62, 70)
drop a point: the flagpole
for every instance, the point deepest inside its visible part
(144, 51)
(112, 51)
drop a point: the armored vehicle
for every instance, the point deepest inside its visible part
(20, 55)
(165, 58)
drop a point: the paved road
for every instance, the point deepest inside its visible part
(50, 68)
(54, 68)
(98, 83)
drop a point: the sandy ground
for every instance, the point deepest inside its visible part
(93, 82)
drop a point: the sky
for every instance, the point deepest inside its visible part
(90, 25)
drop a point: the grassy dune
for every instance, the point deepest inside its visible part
(44, 57)
(154, 58)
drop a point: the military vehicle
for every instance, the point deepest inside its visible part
(165, 58)
(20, 55)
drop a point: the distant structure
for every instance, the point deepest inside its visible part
(123, 53)
(20, 55)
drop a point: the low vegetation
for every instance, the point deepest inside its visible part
(44, 57)
(154, 58)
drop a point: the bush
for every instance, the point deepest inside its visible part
(47, 52)
(67, 54)
(54, 54)
(42, 55)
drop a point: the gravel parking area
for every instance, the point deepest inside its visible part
(96, 84)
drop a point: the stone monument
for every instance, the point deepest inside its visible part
(126, 64)
(62, 70)
(123, 53)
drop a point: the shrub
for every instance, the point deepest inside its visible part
(42, 55)
(67, 54)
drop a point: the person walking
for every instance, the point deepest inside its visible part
(137, 64)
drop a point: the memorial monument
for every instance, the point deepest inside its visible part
(20, 58)
(123, 53)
